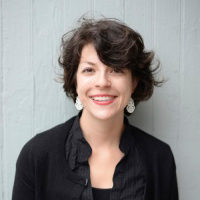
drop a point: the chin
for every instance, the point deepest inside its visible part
(105, 115)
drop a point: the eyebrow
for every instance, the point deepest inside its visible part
(88, 62)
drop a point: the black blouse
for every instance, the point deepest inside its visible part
(99, 194)
(129, 179)
(146, 172)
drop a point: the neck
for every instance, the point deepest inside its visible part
(102, 133)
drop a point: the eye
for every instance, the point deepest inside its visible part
(116, 70)
(87, 70)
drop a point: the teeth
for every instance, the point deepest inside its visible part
(102, 98)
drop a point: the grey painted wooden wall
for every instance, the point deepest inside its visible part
(32, 101)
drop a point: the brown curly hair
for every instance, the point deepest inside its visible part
(117, 45)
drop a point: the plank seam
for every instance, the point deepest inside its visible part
(181, 66)
(2, 109)
(31, 65)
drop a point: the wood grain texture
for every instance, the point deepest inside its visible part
(18, 85)
(1, 102)
(111, 8)
(189, 126)
(140, 16)
(167, 45)
(48, 20)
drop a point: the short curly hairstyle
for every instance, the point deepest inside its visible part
(117, 45)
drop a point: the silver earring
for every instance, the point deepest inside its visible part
(78, 104)
(131, 106)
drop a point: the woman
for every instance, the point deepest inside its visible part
(98, 154)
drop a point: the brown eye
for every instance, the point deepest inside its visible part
(116, 70)
(88, 69)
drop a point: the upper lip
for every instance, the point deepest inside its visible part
(102, 95)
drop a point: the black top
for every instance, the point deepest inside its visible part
(129, 178)
(43, 173)
(101, 194)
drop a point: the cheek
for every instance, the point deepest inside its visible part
(126, 87)
(83, 85)
(125, 91)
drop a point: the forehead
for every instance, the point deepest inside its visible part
(89, 53)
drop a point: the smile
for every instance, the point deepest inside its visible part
(103, 100)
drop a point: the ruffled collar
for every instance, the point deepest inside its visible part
(78, 149)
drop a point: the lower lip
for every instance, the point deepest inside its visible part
(103, 102)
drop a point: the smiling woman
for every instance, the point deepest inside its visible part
(98, 154)
(117, 46)
(103, 92)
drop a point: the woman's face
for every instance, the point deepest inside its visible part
(103, 91)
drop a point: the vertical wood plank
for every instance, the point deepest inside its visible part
(1, 102)
(47, 24)
(167, 45)
(111, 8)
(140, 16)
(135, 14)
(189, 126)
(18, 85)
(74, 9)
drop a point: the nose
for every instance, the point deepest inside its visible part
(102, 79)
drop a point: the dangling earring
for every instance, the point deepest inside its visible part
(131, 106)
(78, 104)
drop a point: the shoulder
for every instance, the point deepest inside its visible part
(156, 155)
(46, 142)
(150, 145)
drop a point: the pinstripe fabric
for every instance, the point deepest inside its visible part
(128, 180)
